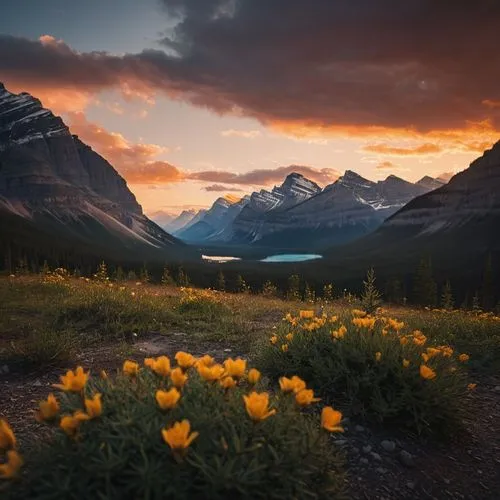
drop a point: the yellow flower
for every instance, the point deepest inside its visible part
(284, 347)
(306, 314)
(305, 397)
(403, 340)
(7, 437)
(419, 338)
(471, 387)
(93, 406)
(294, 384)
(339, 334)
(406, 363)
(384, 331)
(161, 366)
(211, 373)
(273, 339)
(447, 351)
(206, 360)
(227, 382)
(378, 356)
(235, 367)
(179, 436)
(130, 368)
(432, 352)
(427, 373)
(71, 423)
(333, 319)
(395, 324)
(289, 336)
(368, 323)
(463, 358)
(425, 357)
(48, 410)
(253, 376)
(73, 381)
(330, 419)
(185, 360)
(149, 362)
(257, 406)
(359, 313)
(11, 467)
(178, 377)
(167, 399)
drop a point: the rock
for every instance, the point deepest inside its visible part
(376, 456)
(389, 446)
(410, 485)
(497, 388)
(37, 383)
(359, 428)
(381, 470)
(355, 450)
(227, 350)
(406, 459)
(364, 461)
(340, 442)
(367, 448)
(5, 369)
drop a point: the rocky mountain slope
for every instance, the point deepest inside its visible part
(56, 184)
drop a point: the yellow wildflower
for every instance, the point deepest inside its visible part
(93, 406)
(463, 358)
(384, 331)
(73, 381)
(403, 340)
(427, 373)
(253, 376)
(130, 368)
(227, 382)
(185, 360)
(333, 319)
(294, 384)
(378, 356)
(289, 336)
(273, 339)
(330, 419)
(447, 351)
(211, 373)
(149, 362)
(179, 436)
(359, 313)
(306, 314)
(471, 387)
(284, 347)
(167, 399)
(48, 410)
(338, 334)
(419, 338)
(71, 423)
(7, 437)
(432, 352)
(161, 366)
(178, 377)
(235, 367)
(395, 324)
(406, 363)
(425, 357)
(11, 467)
(257, 406)
(305, 397)
(206, 360)
(368, 323)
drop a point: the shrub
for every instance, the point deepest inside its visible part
(216, 439)
(202, 304)
(370, 367)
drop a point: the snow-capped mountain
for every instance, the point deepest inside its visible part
(52, 181)
(431, 183)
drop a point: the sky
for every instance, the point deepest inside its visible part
(194, 99)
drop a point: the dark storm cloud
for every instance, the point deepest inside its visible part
(423, 64)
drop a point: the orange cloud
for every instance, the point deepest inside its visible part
(246, 134)
(219, 188)
(422, 149)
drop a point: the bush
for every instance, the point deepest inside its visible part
(118, 449)
(202, 304)
(369, 367)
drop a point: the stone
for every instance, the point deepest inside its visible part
(389, 446)
(381, 470)
(364, 461)
(367, 448)
(227, 350)
(376, 456)
(340, 442)
(37, 383)
(359, 428)
(406, 458)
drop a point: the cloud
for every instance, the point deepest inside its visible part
(246, 134)
(219, 188)
(422, 149)
(388, 165)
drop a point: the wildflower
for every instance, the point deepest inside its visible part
(425, 357)
(235, 367)
(284, 347)
(48, 410)
(463, 358)
(432, 352)
(333, 319)
(227, 382)
(167, 399)
(403, 340)
(294, 384)
(206, 360)
(7, 438)
(427, 373)
(161, 366)
(273, 339)
(179, 436)
(406, 363)
(149, 362)
(339, 334)
(395, 324)
(419, 338)
(253, 376)
(71, 423)
(185, 360)
(368, 323)
(330, 419)
(306, 314)
(103, 375)
(447, 351)
(471, 387)
(178, 377)
(73, 381)
(359, 313)
(385, 331)
(305, 397)
(93, 406)
(378, 356)
(11, 467)
(211, 373)
(132, 293)
(130, 368)
(289, 336)
(257, 406)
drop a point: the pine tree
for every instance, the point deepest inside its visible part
(269, 289)
(447, 300)
(220, 282)
(370, 298)
(241, 285)
(182, 277)
(328, 292)
(166, 277)
(424, 286)
(144, 274)
(309, 294)
(102, 272)
(476, 303)
(394, 291)
(131, 276)
(45, 268)
(487, 294)
(293, 288)
(119, 274)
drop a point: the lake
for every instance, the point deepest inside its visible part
(283, 257)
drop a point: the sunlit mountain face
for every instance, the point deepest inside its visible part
(184, 97)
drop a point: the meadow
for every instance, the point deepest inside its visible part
(285, 399)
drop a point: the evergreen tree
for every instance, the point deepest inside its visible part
(293, 288)
(102, 272)
(241, 285)
(131, 276)
(45, 268)
(309, 294)
(487, 293)
(424, 286)
(447, 300)
(370, 298)
(220, 282)
(269, 289)
(22, 266)
(476, 303)
(144, 274)
(394, 291)
(119, 274)
(166, 277)
(182, 277)
(328, 292)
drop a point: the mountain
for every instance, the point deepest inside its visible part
(210, 223)
(345, 210)
(55, 188)
(431, 183)
(172, 223)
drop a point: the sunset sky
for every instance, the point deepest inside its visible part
(192, 99)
